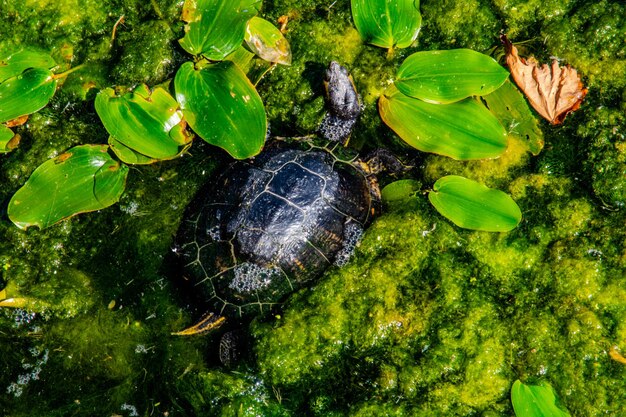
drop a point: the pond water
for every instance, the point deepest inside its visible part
(427, 318)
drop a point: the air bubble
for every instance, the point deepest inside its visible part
(132, 410)
(22, 317)
(335, 128)
(214, 233)
(250, 277)
(352, 234)
(17, 388)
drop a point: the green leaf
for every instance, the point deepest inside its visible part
(471, 205)
(387, 23)
(147, 122)
(511, 108)
(400, 190)
(13, 63)
(536, 401)
(242, 57)
(265, 40)
(222, 107)
(26, 93)
(215, 28)
(463, 130)
(128, 155)
(448, 76)
(8, 140)
(83, 179)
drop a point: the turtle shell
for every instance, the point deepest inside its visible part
(270, 225)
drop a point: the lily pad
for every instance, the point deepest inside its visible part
(536, 401)
(508, 104)
(472, 205)
(387, 23)
(148, 123)
(215, 28)
(13, 63)
(222, 107)
(26, 93)
(449, 76)
(265, 40)
(85, 178)
(463, 130)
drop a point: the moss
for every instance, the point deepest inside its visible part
(503, 309)
(591, 40)
(522, 17)
(607, 161)
(147, 54)
(451, 24)
(224, 394)
(427, 319)
(491, 172)
(303, 109)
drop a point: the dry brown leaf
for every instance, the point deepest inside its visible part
(553, 91)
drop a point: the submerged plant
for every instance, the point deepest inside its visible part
(145, 126)
(27, 83)
(216, 99)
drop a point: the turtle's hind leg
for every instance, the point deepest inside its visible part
(207, 323)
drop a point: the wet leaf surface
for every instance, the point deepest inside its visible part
(387, 23)
(26, 93)
(400, 190)
(472, 205)
(83, 179)
(147, 123)
(216, 28)
(222, 107)
(463, 130)
(8, 140)
(511, 109)
(128, 155)
(13, 63)
(449, 76)
(535, 401)
(265, 40)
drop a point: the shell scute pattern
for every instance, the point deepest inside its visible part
(269, 226)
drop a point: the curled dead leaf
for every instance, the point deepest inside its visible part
(17, 122)
(553, 91)
(282, 21)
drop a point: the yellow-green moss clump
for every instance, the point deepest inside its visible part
(434, 319)
(427, 320)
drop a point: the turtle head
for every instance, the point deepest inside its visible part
(343, 102)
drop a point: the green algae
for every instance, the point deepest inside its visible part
(427, 319)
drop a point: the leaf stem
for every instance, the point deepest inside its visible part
(117, 23)
(271, 67)
(68, 72)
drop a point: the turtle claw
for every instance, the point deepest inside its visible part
(206, 324)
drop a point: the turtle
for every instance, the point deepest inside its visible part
(272, 224)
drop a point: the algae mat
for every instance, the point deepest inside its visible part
(427, 319)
